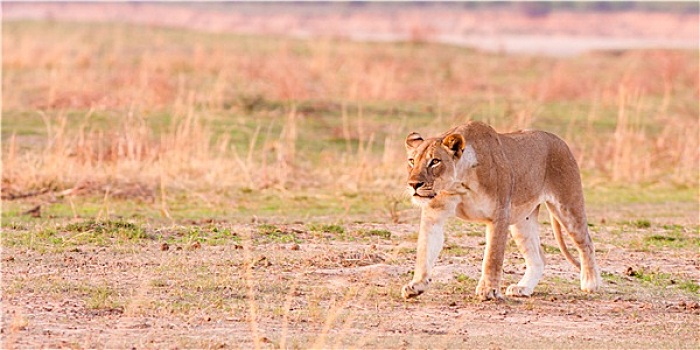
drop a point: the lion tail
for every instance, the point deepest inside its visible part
(556, 226)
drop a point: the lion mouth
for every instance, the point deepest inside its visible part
(428, 196)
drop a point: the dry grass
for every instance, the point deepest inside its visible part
(630, 118)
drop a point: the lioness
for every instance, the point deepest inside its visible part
(477, 174)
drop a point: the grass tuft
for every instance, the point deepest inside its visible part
(273, 233)
(386, 234)
(328, 228)
(112, 229)
(689, 286)
(641, 223)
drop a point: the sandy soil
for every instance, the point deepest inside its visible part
(336, 290)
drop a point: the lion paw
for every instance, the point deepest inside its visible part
(590, 282)
(515, 290)
(412, 290)
(488, 293)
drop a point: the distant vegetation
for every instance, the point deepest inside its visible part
(542, 7)
(533, 8)
(142, 112)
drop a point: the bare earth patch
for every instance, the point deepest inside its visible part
(298, 286)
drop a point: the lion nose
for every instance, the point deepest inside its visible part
(415, 184)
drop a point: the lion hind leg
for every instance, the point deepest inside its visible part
(576, 226)
(526, 236)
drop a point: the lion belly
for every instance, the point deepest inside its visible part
(479, 208)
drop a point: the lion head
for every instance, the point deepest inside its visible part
(432, 165)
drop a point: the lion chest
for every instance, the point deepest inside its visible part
(475, 206)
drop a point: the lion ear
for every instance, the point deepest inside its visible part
(413, 140)
(455, 143)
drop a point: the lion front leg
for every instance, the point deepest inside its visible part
(430, 240)
(489, 287)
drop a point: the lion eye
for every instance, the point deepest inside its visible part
(434, 162)
(410, 162)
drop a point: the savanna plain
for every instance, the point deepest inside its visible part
(167, 188)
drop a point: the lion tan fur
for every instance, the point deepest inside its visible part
(477, 174)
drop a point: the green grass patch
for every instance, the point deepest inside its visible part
(671, 239)
(610, 277)
(328, 228)
(689, 286)
(102, 297)
(207, 234)
(462, 278)
(642, 223)
(550, 249)
(385, 234)
(629, 194)
(456, 250)
(100, 233)
(663, 280)
(660, 239)
(109, 227)
(272, 233)
(267, 229)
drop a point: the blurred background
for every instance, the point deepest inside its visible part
(291, 111)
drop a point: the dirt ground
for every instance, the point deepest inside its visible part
(300, 286)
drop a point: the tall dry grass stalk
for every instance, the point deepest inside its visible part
(139, 72)
(185, 156)
(630, 151)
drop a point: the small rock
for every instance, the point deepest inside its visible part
(294, 247)
(630, 272)
(195, 245)
(263, 262)
(164, 247)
